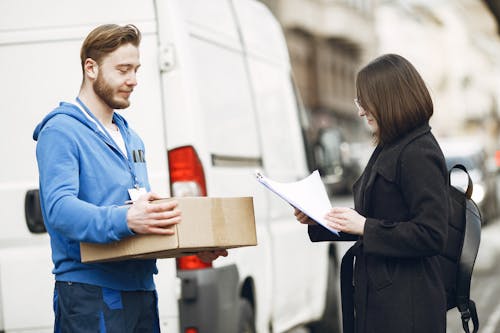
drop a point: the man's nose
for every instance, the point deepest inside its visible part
(132, 80)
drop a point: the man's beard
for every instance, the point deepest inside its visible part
(105, 92)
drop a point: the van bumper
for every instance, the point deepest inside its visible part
(209, 299)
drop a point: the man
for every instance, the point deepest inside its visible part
(87, 172)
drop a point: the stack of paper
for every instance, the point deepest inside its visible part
(307, 195)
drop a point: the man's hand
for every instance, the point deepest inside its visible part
(144, 217)
(209, 256)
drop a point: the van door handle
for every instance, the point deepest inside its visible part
(33, 212)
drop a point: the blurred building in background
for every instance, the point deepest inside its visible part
(455, 44)
(328, 41)
(456, 47)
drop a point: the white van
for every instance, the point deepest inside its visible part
(215, 103)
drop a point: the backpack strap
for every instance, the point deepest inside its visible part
(468, 314)
(470, 186)
(470, 248)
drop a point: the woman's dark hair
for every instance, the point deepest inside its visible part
(394, 93)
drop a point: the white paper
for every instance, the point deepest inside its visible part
(307, 195)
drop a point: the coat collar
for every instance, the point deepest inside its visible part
(386, 164)
(388, 160)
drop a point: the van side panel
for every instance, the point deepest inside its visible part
(216, 106)
(296, 259)
(241, 115)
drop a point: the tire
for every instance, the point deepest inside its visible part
(246, 321)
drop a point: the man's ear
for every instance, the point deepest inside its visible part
(91, 68)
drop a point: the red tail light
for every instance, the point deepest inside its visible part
(186, 172)
(187, 263)
(187, 179)
(191, 330)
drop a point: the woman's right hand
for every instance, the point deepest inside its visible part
(303, 218)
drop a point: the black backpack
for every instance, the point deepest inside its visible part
(464, 235)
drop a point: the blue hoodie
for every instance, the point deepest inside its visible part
(84, 182)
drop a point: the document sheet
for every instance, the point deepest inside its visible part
(307, 195)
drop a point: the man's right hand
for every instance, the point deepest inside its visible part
(144, 217)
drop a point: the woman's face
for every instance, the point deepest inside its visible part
(370, 121)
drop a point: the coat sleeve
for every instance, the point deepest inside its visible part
(423, 184)
(64, 212)
(318, 233)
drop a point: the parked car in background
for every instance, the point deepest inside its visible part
(471, 153)
(361, 152)
(335, 163)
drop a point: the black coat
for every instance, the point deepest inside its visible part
(397, 276)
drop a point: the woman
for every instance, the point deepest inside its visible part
(401, 210)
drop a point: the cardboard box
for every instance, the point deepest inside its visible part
(207, 224)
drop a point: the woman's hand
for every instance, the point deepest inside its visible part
(303, 218)
(346, 220)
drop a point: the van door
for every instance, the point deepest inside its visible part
(209, 105)
(238, 110)
(299, 266)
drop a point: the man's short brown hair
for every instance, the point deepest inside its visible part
(107, 38)
(394, 93)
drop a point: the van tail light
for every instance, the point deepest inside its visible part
(186, 173)
(187, 178)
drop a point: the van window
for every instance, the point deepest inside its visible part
(225, 100)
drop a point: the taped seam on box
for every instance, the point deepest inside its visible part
(218, 222)
(175, 227)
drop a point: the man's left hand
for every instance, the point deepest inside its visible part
(209, 256)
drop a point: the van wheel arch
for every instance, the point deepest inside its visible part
(248, 291)
(246, 320)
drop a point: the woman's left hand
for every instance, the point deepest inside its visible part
(346, 220)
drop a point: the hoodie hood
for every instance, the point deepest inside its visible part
(72, 110)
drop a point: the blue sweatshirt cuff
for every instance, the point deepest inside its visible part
(121, 228)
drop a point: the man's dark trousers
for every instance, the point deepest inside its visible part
(84, 308)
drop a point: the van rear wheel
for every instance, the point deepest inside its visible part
(246, 322)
